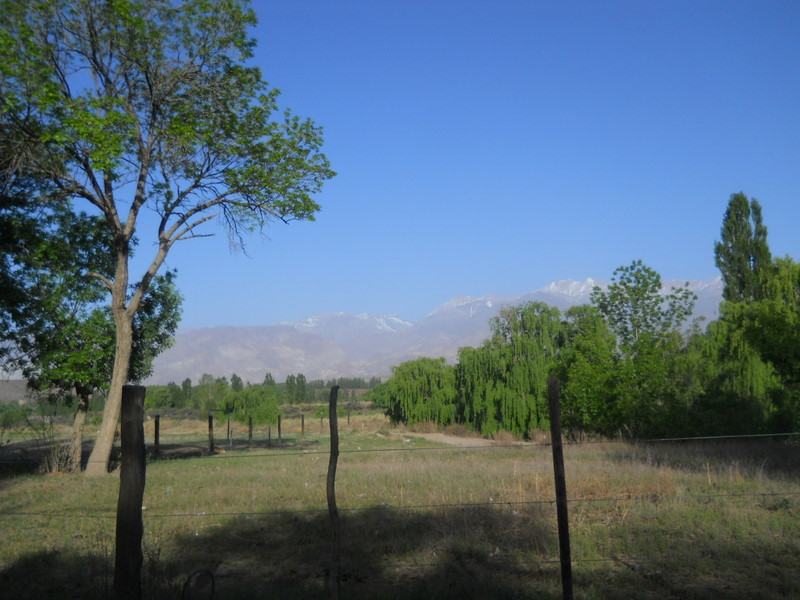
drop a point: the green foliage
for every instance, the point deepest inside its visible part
(769, 326)
(164, 396)
(149, 104)
(636, 311)
(733, 388)
(648, 330)
(257, 401)
(503, 384)
(772, 323)
(585, 370)
(628, 365)
(166, 98)
(743, 256)
(349, 383)
(419, 390)
(56, 330)
(45, 292)
(11, 414)
(186, 392)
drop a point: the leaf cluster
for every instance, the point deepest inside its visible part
(154, 99)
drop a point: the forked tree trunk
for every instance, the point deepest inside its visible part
(123, 311)
(101, 452)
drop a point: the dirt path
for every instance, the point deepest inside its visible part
(453, 440)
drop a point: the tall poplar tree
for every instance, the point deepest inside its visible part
(129, 105)
(742, 255)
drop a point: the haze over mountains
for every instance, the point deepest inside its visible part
(365, 345)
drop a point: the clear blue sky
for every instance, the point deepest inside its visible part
(493, 146)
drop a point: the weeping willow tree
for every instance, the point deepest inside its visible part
(734, 387)
(480, 374)
(418, 391)
(503, 384)
(256, 402)
(769, 328)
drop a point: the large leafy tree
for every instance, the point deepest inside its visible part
(647, 325)
(585, 369)
(56, 331)
(128, 105)
(742, 255)
(419, 390)
(503, 384)
(637, 312)
(256, 402)
(73, 349)
(771, 325)
(759, 316)
(734, 388)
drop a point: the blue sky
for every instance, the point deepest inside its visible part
(493, 146)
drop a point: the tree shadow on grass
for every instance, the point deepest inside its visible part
(460, 552)
(195, 449)
(779, 458)
(450, 553)
(464, 552)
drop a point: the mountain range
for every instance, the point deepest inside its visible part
(344, 345)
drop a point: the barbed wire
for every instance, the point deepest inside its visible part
(240, 453)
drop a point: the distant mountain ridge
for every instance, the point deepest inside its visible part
(365, 345)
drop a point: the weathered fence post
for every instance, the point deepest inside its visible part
(211, 433)
(561, 488)
(336, 567)
(128, 556)
(249, 431)
(280, 439)
(302, 425)
(157, 436)
(269, 435)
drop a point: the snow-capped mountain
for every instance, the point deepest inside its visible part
(569, 288)
(365, 345)
(343, 328)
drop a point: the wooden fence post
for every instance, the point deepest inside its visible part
(249, 431)
(280, 439)
(211, 433)
(561, 488)
(128, 556)
(157, 444)
(302, 425)
(333, 513)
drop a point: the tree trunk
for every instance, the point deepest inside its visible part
(72, 461)
(98, 460)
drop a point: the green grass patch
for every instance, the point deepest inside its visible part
(424, 520)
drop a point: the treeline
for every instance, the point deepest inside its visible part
(246, 399)
(630, 364)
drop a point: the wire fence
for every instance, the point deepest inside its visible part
(277, 451)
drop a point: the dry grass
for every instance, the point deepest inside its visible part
(423, 520)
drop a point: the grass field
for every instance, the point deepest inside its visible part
(711, 519)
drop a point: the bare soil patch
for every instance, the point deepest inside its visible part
(453, 440)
